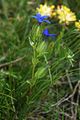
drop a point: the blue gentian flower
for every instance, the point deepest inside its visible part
(47, 34)
(41, 18)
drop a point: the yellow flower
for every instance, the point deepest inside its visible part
(46, 10)
(77, 24)
(65, 15)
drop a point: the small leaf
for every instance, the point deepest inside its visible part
(35, 61)
(40, 73)
(42, 49)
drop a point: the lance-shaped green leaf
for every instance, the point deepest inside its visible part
(41, 48)
(40, 72)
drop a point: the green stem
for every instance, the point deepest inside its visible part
(48, 68)
(33, 69)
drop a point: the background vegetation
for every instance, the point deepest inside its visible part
(45, 86)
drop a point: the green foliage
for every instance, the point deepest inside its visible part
(31, 68)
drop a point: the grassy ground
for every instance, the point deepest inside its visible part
(45, 86)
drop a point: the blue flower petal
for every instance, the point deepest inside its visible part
(44, 17)
(40, 21)
(41, 18)
(52, 35)
(34, 17)
(46, 33)
(38, 15)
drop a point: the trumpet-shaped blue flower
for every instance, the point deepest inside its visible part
(47, 34)
(41, 18)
